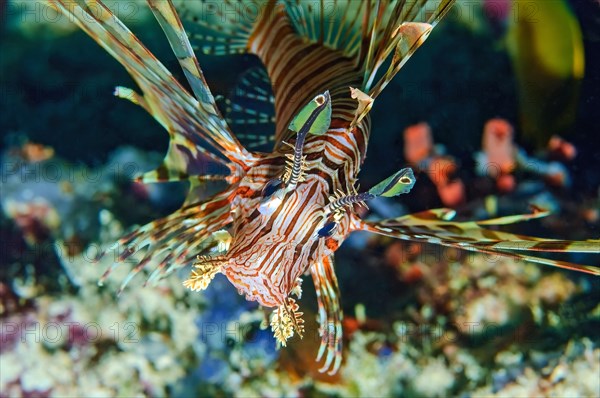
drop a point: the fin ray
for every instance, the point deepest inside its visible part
(472, 237)
(172, 238)
(330, 314)
(200, 132)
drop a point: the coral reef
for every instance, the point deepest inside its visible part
(91, 343)
(474, 325)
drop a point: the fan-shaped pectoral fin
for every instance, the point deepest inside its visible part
(330, 314)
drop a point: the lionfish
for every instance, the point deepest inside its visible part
(283, 214)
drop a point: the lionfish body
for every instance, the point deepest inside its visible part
(285, 213)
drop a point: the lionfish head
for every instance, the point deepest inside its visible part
(275, 241)
(285, 220)
(285, 226)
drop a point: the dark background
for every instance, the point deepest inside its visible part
(56, 89)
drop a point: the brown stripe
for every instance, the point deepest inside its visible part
(552, 246)
(452, 228)
(489, 234)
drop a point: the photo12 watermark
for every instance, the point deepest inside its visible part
(59, 332)
(40, 11)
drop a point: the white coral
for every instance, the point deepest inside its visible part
(435, 379)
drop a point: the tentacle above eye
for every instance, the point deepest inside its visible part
(330, 314)
(314, 119)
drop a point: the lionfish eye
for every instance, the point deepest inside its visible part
(327, 230)
(320, 100)
(272, 186)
